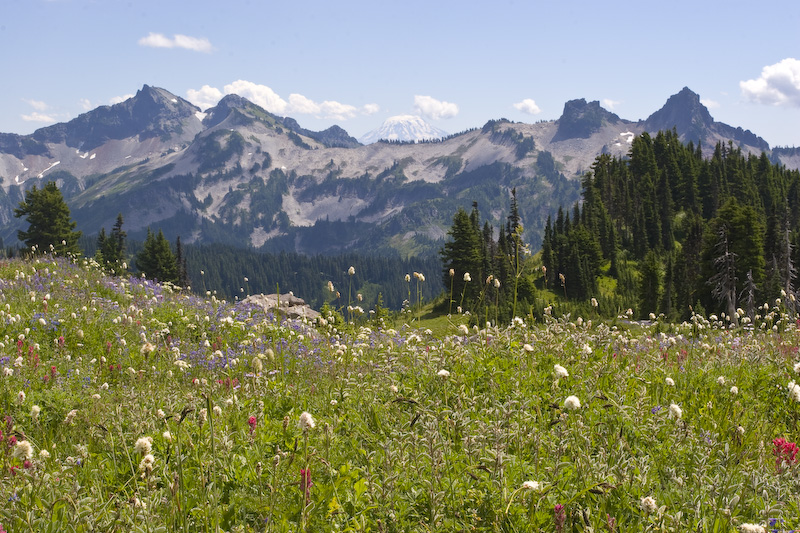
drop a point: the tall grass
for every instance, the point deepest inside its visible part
(673, 427)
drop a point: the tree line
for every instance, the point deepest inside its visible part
(671, 231)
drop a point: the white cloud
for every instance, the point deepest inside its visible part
(610, 104)
(85, 103)
(261, 95)
(205, 97)
(38, 105)
(779, 84)
(711, 104)
(265, 97)
(159, 40)
(434, 109)
(38, 117)
(528, 106)
(119, 99)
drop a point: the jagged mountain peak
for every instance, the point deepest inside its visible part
(152, 112)
(684, 112)
(409, 128)
(581, 119)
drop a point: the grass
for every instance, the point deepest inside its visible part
(130, 406)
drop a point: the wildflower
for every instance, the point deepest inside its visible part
(531, 485)
(331, 287)
(721, 381)
(463, 329)
(467, 277)
(594, 302)
(527, 347)
(143, 446)
(351, 271)
(740, 430)
(452, 272)
(572, 403)
(161, 414)
(23, 450)
(21, 397)
(734, 390)
(146, 464)
(167, 436)
(252, 421)
(559, 517)
(784, 451)
(334, 402)
(752, 528)
(797, 368)
(306, 421)
(587, 349)
(648, 505)
(408, 278)
(444, 374)
(70, 416)
(675, 411)
(393, 389)
(138, 504)
(670, 382)
(305, 481)
(35, 410)
(217, 410)
(44, 454)
(560, 371)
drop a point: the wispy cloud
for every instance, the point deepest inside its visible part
(159, 40)
(38, 117)
(120, 99)
(263, 96)
(434, 109)
(711, 104)
(779, 84)
(610, 104)
(38, 114)
(528, 106)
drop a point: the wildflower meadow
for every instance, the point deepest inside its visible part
(126, 405)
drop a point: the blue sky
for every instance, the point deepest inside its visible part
(355, 63)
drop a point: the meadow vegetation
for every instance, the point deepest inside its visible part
(126, 405)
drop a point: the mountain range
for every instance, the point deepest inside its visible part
(238, 174)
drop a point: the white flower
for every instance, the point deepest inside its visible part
(217, 410)
(527, 347)
(649, 505)
(143, 446)
(560, 371)
(467, 277)
(463, 329)
(734, 390)
(594, 302)
(44, 454)
(721, 381)
(572, 403)
(334, 403)
(531, 485)
(70, 416)
(393, 389)
(797, 368)
(444, 374)
(408, 278)
(752, 528)
(587, 349)
(23, 450)
(351, 271)
(167, 436)
(21, 397)
(675, 411)
(35, 410)
(306, 421)
(670, 382)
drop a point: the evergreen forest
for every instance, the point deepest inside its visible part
(669, 231)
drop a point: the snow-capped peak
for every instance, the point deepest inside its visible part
(403, 128)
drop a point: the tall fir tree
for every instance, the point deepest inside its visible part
(50, 225)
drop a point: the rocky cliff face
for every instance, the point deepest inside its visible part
(241, 175)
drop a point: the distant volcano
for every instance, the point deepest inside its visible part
(403, 128)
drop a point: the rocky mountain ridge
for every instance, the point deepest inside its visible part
(241, 175)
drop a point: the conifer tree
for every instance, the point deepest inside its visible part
(49, 221)
(156, 259)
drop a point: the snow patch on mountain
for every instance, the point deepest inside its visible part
(403, 128)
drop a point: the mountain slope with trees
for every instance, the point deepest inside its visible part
(671, 230)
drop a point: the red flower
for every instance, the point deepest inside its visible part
(252, 421)
(784, 451)
(305, 481)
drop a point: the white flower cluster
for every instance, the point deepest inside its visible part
(794, 391)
